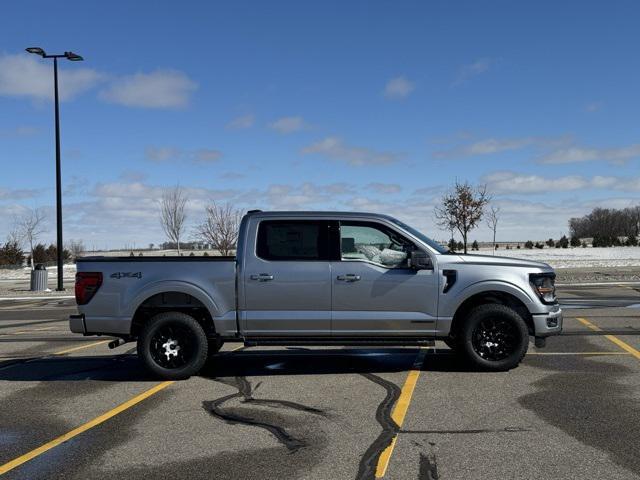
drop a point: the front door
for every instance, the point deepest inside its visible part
(287, 282)
(375, 292)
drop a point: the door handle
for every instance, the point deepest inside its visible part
(349, 277)
(261, 277)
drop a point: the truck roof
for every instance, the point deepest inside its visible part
(314, 213)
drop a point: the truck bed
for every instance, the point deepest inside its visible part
(129, 282)
(157, 258)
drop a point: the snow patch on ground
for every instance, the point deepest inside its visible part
(576, 257)
(24, 273)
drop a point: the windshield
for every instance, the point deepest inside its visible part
(432, 243)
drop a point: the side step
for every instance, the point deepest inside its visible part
(341, 341)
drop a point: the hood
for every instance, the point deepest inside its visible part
(503, 261)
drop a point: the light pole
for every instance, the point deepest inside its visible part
(74, 58)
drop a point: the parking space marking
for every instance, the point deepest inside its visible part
(612, 338)
(82, 428)
(578, 353)
(400, 411)
(81, 347)
(20, 332)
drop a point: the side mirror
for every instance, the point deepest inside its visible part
(421, 261)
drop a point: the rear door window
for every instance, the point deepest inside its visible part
(283, 240)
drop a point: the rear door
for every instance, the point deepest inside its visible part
(287, 279)
(375, 292)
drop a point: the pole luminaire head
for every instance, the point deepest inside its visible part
(73, 57)
(36, 50)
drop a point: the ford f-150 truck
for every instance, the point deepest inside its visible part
(318, 278)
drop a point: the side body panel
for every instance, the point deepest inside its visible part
(127, 284)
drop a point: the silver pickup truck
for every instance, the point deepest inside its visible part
(318, 278)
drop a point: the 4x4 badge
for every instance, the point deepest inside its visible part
(126, 275)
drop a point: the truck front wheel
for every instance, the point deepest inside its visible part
(173, 345)
(494, 337)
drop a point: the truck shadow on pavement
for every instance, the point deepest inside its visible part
(302, 361)
(298, 361)
(112, 368)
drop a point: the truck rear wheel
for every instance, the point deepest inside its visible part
(173, 345)
(494, 337)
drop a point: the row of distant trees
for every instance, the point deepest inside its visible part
(463, 208)
(11, 253)
(608, 226)
(23, 242)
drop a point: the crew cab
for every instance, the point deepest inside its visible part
(318, 278)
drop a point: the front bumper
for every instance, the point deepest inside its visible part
(77, 324)
(548, 324)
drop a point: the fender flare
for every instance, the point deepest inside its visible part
(164, 286)
(494, 286)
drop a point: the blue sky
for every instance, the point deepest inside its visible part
(374, 106)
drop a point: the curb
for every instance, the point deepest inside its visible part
(52, 297)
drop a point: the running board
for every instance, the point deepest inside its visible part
(342, 341)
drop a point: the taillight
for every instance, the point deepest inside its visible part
(87, 284)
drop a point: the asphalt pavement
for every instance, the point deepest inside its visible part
(73, 409)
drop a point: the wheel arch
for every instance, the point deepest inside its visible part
(174, 300)
(492, 296)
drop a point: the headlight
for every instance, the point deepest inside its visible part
(545, 286)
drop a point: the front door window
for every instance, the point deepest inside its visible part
(370, 242)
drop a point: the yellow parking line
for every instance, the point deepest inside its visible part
(82, 428)
(612, 338)
(400, 411)
(578, 353)
(81, 347)
(20, 332)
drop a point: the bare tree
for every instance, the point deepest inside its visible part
(172, 213)
(29, 227)
(462, 209)
(492, 222)
(220, 227)
(76, 247)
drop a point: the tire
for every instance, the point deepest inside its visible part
(494, 338)
(451, 343)
(215, 344)
(173, 346)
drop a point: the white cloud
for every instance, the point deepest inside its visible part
(19, 194)
(287, 125)
(516, 183)
(384, 188)
(24, 75)
(162, 154)
(242, 122)
(398, 87)
(204, 156)
(593, 106)
(577, 154)
(158, 89)
(21, 131)
(133, 176)
(490, 146)
(335, 148)
(200, 156)
(466, 72)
